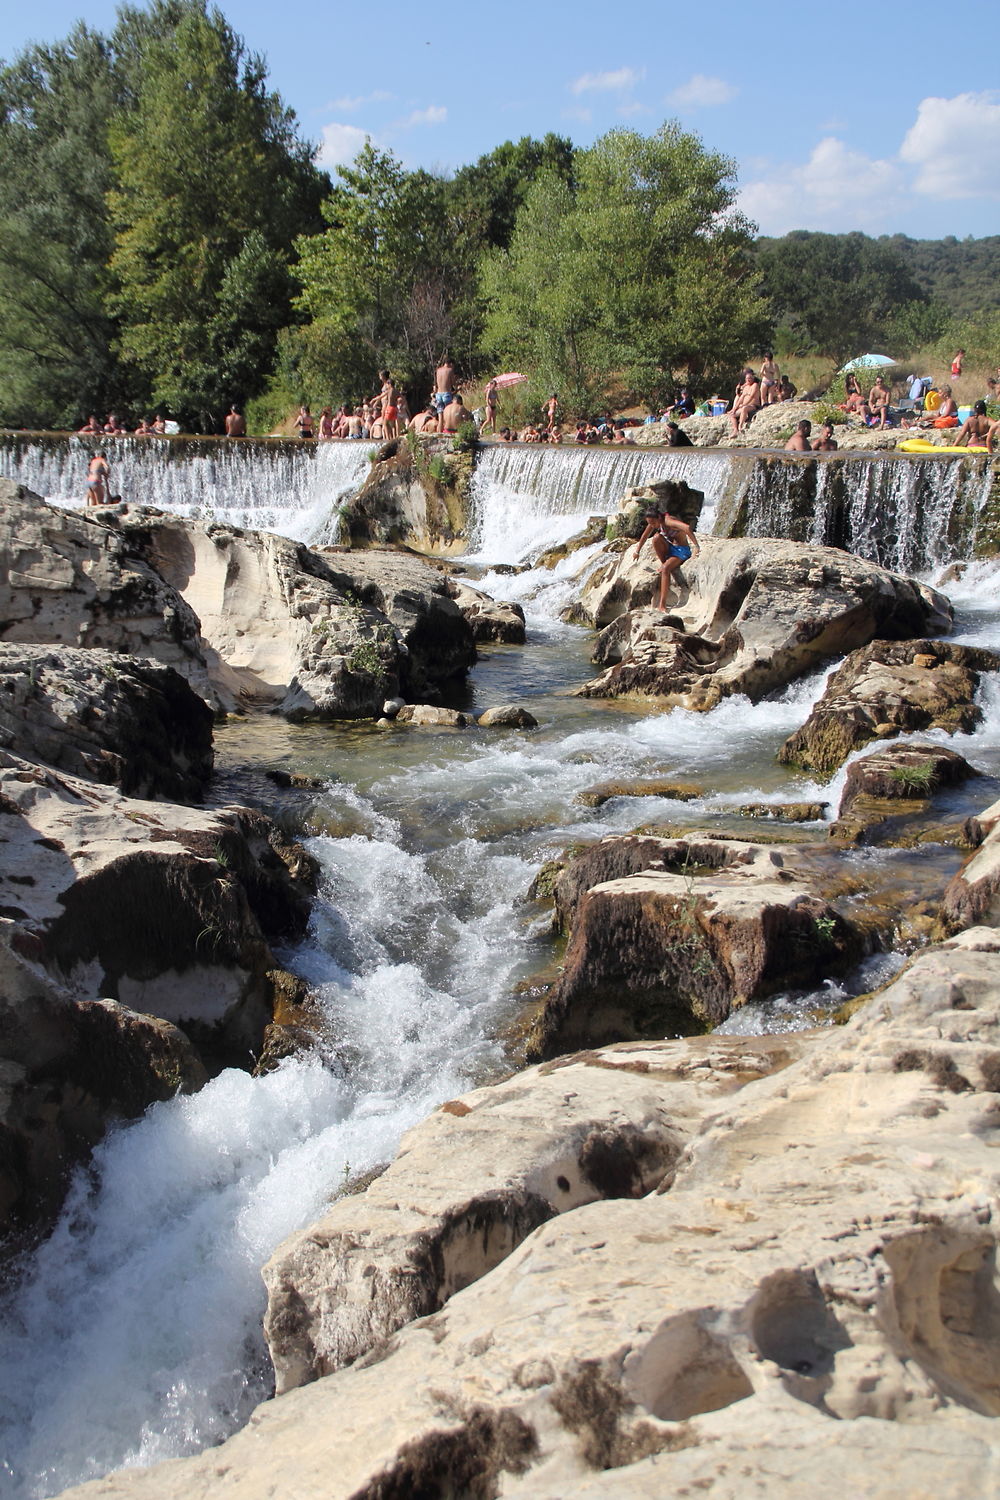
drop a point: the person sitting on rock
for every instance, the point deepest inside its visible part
(425, 421)
(975, 428)
(825, 443)
(684, 405)
(144, 429)
(236, 425)
(991, 435)
(505, 435)
(159, 425)
(799, 440)
(676, 438)
(879, 402)
(91, 428)
(112, 426)
(673, 542)
(746, 404)
(786, 390)
(943, 415)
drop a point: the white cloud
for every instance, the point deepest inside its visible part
(340, 143)
(621, 78)
(836, 189)
(700, 91)
(434, 114)
(954, 145)
(347, 106)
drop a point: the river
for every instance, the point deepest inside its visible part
(133, 1334)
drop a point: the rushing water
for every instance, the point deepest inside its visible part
(134, 1334)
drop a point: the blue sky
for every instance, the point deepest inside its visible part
(880, 118)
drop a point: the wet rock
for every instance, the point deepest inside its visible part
(886, 688)
(785, 812)
(126, 722)
(973, 895)
(807, 1305)
(507, 716)
(428, 715)
(490, 620)
(167, 910)
(670, 936)
(675, 791)
(886, 790)
(753, 615)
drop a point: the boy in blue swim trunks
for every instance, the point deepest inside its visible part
(673, 542)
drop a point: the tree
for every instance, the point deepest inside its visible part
(56, 336)
(212, 185)
(642, 276)
(375, 283)
(835, 293)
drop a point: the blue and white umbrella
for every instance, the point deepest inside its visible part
(867, 362)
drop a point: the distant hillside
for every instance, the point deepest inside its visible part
(964, 275)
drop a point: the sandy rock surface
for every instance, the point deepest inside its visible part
(751, 616)
(810, 1301)
(885, 688)
(116, 719)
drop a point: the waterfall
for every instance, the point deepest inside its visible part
(527, 498)
(286, 486)
(907, 513)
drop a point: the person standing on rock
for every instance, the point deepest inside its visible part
(673, 542)
(490, 401)
(390, 409)
(444, 383)
(98, 480)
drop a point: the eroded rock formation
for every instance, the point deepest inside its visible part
(752, 616)
(808, 1302)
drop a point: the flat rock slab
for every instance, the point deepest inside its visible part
(888, 794)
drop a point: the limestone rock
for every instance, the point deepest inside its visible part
(131, 723)
(808, 1306)
(428, 715)
(669, 936)
(678, 791)
(317, 634)
(70, 580)
(507, 716)
(973, 895)
(163, 908)
(880, 690)
(887, 790)
(490, 620)
(753, 615)
(785, 812)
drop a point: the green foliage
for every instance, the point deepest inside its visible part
(835, 293)
(438, 469)
(826, 928)
(921, 777)
(466, 439)
(366, 657)
(642, 274)
(56, 338)
(826, 411)
(960, 276)
(211, 184)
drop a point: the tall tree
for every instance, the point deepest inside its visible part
(646, 270)
(213, 183)
(56, 337)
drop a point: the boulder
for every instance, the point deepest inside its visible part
(428, 715)
(68, 579)
(753, 615)
(973, 895)
(674, 791)
(807, 1305)
(316, 634)
(507, 716)
(669, 936)
(490, 621)
(117, 719)
(785, 812)
(167, 910)
(886, 688)
(889, 791)
(66, 1068)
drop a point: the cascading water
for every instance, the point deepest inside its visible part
(527, 498)
(134, 1334)
(290, 487)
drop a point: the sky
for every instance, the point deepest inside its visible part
(880, 118)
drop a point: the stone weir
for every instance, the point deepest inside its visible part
(507, 502)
